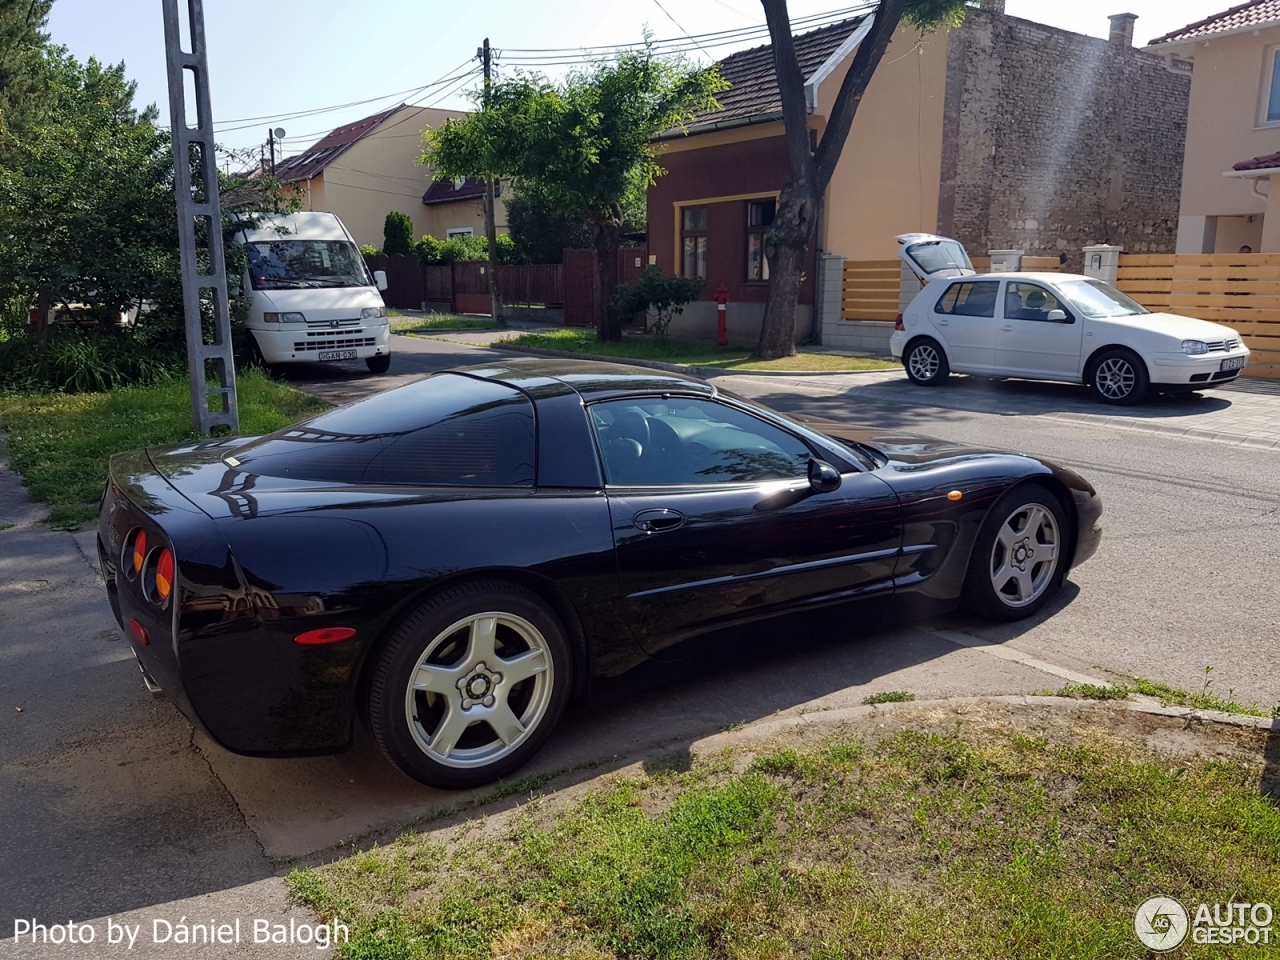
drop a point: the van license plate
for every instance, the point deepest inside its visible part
(341, 355)
(1232, 363)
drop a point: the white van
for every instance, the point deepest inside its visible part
(313, 298)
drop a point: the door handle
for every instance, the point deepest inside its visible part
(941, 322)
(657, 520)
(1007, 328)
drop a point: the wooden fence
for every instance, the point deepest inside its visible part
(870, 289)
(1241, 290)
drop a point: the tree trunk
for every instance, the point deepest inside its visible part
(44, 303)
(491, 233)
(608, 238)
(787, 248)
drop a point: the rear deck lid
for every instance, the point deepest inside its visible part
(931, 257)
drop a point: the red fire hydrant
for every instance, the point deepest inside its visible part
(722, 332)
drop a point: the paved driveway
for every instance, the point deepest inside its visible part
(112, 803)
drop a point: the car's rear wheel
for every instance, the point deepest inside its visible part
(1017, 559)
(379, 364)
(926, 362)
(1119, 376)
(470, 685)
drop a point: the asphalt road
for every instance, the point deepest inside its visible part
(110, 803)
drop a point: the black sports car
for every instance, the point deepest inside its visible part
(458, 558)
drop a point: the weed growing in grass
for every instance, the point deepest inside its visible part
(1167, 695)
(889, 696)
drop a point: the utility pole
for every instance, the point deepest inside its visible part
(490, 197)
(202, 290)
(271, 145)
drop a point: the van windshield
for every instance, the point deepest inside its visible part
(292, 264)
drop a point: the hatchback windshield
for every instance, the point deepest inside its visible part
(291, 264)
(935, 255)
(1098, 300)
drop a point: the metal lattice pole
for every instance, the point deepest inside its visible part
(208, 343)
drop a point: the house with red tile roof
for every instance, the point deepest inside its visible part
(1230, 195)
(363, 170)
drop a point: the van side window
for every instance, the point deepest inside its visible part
(969, 299)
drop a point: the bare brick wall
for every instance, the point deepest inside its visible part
(1053, 140)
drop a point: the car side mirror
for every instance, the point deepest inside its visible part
(823, 477)
(1058, 316)
(380, 278)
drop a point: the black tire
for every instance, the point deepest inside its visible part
(405, 724)
(926, 362)
(991, 562)
(379, 364)
(1118, 376)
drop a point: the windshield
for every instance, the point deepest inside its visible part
(935, 255)
(1098, 300)
(292, 264)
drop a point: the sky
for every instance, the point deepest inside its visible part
(283, 58)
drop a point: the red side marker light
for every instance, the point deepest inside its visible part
(139, 633)
(313, 638)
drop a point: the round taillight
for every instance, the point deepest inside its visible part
(164, 576)
(135, 553)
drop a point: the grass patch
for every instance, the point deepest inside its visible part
(994, 844)
(441, 321)
(698, 353)
(889, 696)
(1205, 699)
(60, 442)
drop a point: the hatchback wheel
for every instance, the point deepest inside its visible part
(1119, 376)
(470, 686)
(1018, 555)
(926, 363)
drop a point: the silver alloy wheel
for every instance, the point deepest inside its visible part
(1115, 378)
(923, 362)
(479, 689)
(1024, 555)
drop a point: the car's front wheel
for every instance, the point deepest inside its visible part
(926, 362)
(1016, 561)
(470, 685)
(379, 364)
(1119, 376)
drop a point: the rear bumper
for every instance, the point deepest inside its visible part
(897, 341)
(1089, 525)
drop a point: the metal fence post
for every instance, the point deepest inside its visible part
(194, 206)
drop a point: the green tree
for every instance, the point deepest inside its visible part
(22, 47)
(397, 234)
(653, 291)
(809, 172)
(584, 144)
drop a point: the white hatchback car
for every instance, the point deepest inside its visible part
(1050, 326)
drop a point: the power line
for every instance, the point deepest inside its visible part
(677, 23)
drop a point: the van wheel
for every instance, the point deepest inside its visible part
(379, 364)
(926, 363)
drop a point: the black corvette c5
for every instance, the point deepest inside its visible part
(457, 558)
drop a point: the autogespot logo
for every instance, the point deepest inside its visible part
(1161, 924)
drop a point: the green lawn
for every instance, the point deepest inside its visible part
(60, 442)
(441, 321)
(980, 842)
(699, 353)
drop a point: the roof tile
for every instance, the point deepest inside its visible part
(1246, 15)
(1265, 162)
(329, 147)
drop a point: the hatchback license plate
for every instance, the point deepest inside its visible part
(351, 355)
(1232, 363)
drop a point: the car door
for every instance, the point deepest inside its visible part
(1039, 334)
(965, 318)
(719, 535)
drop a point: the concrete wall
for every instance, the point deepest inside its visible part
(742, 321)
(1054, 140)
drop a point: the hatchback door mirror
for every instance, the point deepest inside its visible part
(1058, 316)
(380, 278)
(823, 477)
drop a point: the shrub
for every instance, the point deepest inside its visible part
(368, 250)
(397, 234)
(653, 291)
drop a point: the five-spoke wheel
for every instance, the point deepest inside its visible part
(1018, 556)
(481, 672)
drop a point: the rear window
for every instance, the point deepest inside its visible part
(971, 299)
(448, 429)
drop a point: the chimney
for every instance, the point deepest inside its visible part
(995, 6)
(1122, 28)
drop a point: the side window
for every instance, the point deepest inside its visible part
(447, 430)
(674, 440)
(969, 299)
(1029, 301)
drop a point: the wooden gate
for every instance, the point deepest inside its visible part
(580, 282)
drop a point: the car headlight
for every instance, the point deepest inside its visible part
(284, 318)
(373, 313)
(1193, 348)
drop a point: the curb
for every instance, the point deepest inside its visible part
(695, 371)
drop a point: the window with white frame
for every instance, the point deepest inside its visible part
(459, 232)
(1271, 98)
